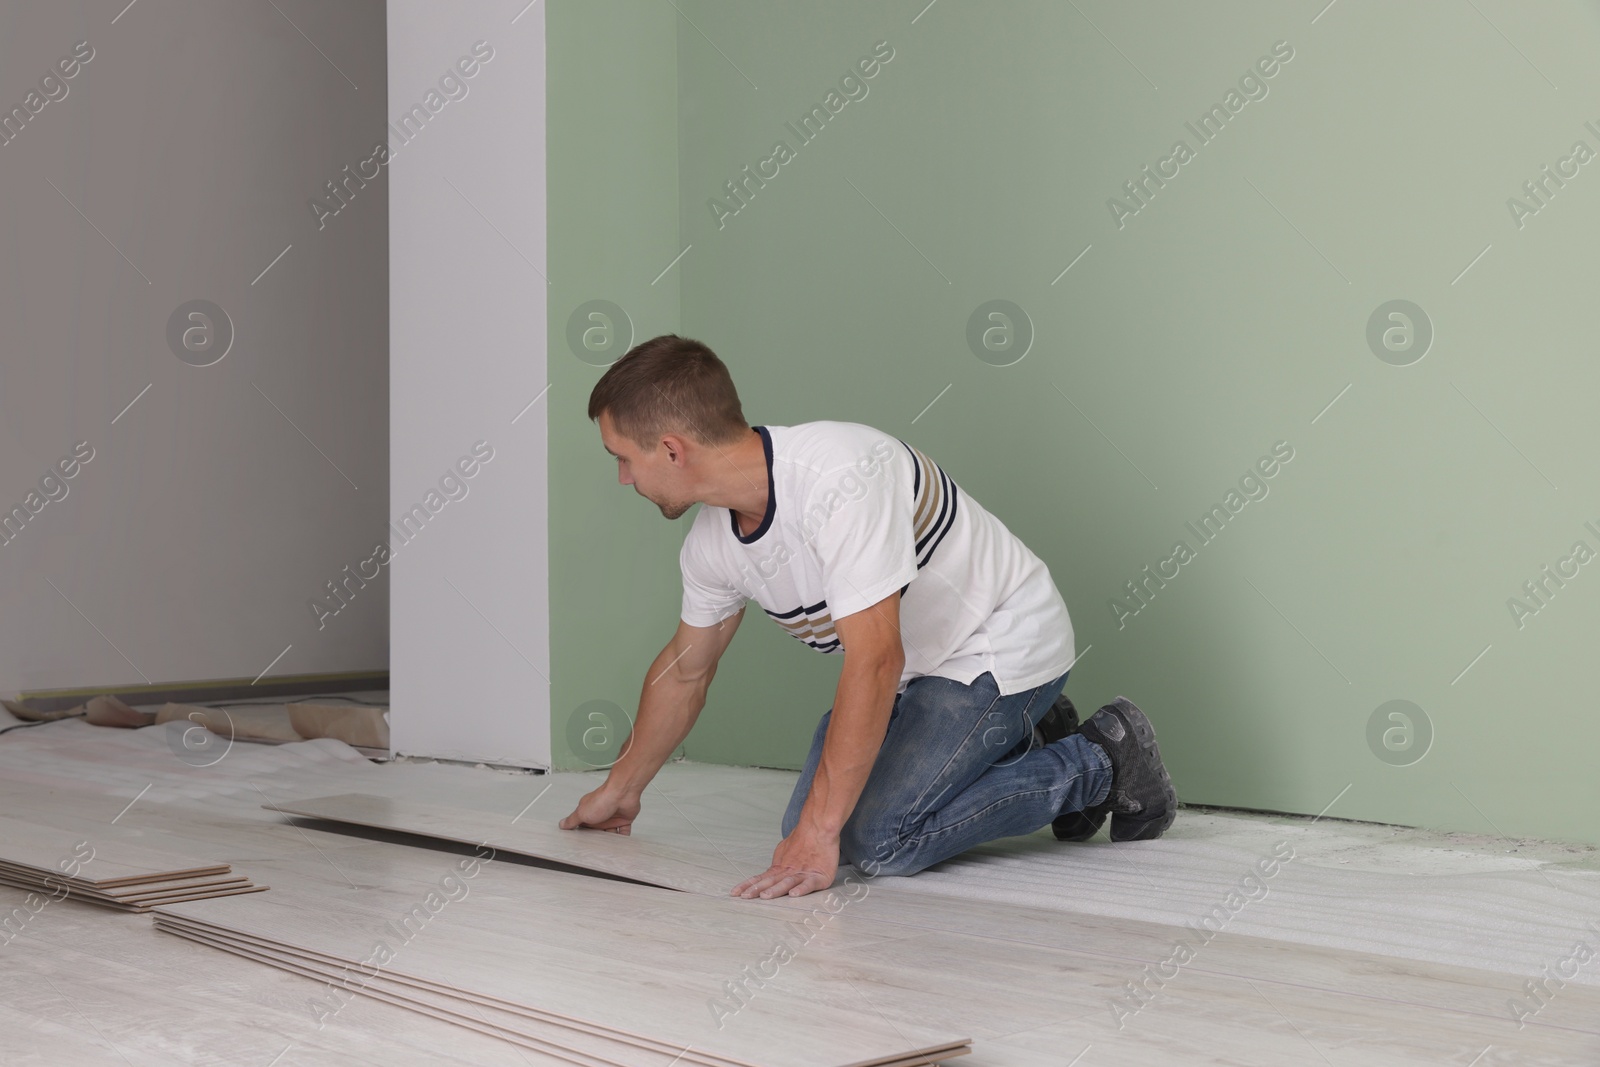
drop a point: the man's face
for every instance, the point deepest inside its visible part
(652, 475)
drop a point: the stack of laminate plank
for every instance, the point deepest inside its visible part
(102, 867)
(484, 970)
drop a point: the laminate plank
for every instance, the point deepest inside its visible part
(1210, 1020)
(513, 1023)
(413, 1001)
(32, 1041)
(338, 971)
(102, 861)
(138, 904)
(80, 985)
(118, 880)
(143, 904)
(180, 885)
(1019, 1014)
(1198, 1019)
(46, 884)
(710, 869)
(658, 987)
(1138, 945)
(992, 988)
(1132, 945)
(146, 903)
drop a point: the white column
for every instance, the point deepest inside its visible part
(469, 615)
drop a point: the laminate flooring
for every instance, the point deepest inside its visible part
(709, 865)
(1035, 991)
(1032, 981)
(572, 1039)
(651, 980)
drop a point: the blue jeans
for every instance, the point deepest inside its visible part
(958, 767)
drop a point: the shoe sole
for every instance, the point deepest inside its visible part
(1153, 825)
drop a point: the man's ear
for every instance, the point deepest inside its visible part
(674, 446)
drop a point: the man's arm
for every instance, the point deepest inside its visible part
(808, 858)
(673, 695)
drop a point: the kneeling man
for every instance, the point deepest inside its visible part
(948, 728)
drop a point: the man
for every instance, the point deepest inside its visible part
(942, 734)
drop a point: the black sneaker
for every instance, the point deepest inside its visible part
(1059, 721)
(1141, 800)
(1062, 721)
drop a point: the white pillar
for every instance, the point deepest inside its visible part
(469, 614)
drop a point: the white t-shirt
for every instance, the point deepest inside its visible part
(854, 515)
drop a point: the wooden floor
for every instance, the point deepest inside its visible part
(1031, 985)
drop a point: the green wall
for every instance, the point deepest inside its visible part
(1222, 318)
(612, 122)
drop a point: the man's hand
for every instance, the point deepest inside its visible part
(604, 809)
(803, 862)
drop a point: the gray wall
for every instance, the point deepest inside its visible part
(177, 166)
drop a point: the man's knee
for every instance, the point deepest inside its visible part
(883, 856)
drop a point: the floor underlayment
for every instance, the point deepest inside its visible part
(1372, 945)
